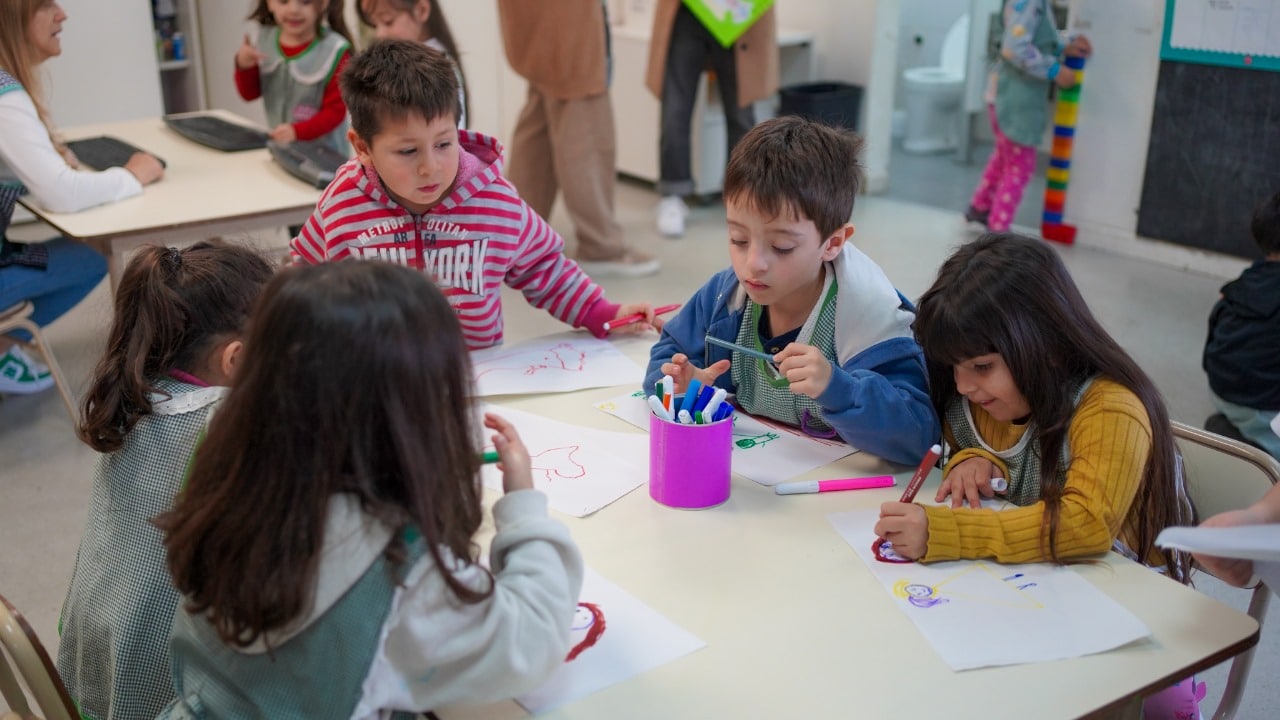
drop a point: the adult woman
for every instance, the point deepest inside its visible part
(57, 274)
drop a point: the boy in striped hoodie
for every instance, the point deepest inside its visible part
(424, 194)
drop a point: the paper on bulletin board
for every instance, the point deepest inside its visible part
(764, 451)
(728, 19)
(1244, 27)
(979, 613)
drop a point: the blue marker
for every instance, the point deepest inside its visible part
(691, 395)
(724, 411)
(744, 350)
(704, 397)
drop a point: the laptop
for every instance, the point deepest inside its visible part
(104, 152)
(312, 163)
(216, 132)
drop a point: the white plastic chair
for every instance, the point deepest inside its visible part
(25, 664)
(1223, 474)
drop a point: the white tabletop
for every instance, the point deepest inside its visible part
(204, 192)
(797, 626)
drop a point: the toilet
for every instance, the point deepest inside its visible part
(932, 95)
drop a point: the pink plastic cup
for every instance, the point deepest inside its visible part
(689, 465)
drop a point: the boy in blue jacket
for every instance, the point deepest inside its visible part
(845, 360)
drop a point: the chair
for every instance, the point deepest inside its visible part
(18, 317)
(1223, 474)
(24, 663)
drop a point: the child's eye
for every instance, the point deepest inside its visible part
(784, 250)
(407, 151)
(444, 145)
(982, 367)
(737, 241)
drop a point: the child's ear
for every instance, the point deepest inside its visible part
(422, 11)
(363, 152)
(835, 242)
(229, 358)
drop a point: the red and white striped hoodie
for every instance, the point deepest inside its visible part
(477, 238)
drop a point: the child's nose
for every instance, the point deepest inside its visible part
(757, 260)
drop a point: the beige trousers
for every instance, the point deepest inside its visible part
(569, 146)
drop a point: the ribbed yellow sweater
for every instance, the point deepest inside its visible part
(1110, 439)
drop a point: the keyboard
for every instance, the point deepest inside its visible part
(212, 131)
(104, 152)
(311, 163)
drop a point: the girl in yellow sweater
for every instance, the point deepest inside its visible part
(1030, 388)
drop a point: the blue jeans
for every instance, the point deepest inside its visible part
(74, 271)
(1253, 424)
(691, 50)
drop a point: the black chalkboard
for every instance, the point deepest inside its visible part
(1214, 154)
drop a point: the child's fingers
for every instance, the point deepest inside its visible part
(717, 368)
(943, 490)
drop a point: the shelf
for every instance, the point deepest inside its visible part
(166, 65)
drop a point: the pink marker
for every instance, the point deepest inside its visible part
(805, 487)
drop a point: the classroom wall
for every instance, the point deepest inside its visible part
(118, 33)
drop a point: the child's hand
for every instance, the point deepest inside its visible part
(906, 526)
(806, 368)
(968, 480)
(248, 56)
(514, 464)
(1236, 571)
(650, 320)
(145, 167)
(682, 371)
(283, 133)
(1066, 78)
(1078, 47)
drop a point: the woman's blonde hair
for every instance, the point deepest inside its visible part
(18, 58)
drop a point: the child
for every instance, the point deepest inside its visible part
(838, 331)
(424, 195)
(294, 69)
(1242, 354)
(172, 349)
(1032, 389)
(1018, 108)
(420, 21)
(328, 557)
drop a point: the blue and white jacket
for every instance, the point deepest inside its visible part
(878, 398)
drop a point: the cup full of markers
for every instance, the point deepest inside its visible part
(690, 445)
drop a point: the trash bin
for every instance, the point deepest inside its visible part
(833, 103)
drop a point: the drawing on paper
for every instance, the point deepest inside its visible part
(562, 357)
(558, 463)
(588, 622)
(1009, 593)
(747, 441)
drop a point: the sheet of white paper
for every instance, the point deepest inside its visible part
(1252, 542)
(616, 637)
(978, 613)
(763, 450)
(581, 470)
(552, 363)
(1249, 27)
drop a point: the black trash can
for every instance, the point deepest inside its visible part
(833, 103)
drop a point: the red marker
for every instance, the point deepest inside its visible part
(922, 472)
(638, 317)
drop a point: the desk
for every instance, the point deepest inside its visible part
(797, 627)
(204, 193)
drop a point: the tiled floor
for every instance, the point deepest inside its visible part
(1157, 313)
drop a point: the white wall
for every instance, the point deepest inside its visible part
(108, 70)
(222, 29)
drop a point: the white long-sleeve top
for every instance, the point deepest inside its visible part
(27, 154)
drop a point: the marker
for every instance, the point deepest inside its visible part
(684, 417)
(922, 472)
(738, 348)
(668, 389)
(691, 395)
(999, 484)
(819, 486)
(713, 405)
(489, 457)
(656, 406)
(637, 317)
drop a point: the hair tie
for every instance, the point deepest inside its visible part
(175, 257)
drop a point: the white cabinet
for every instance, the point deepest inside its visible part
(637, 112)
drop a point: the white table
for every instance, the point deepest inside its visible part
(204, 193)
(797, 627)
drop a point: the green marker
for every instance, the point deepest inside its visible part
(489, 457)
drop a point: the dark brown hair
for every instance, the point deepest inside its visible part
(436, 27)
(332, 16)
(172, 307)
(1266, 225)
(1003, 293)
(355, 379)
(797, 166)
(393, 78)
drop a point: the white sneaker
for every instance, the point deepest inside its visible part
(22, 375)
(671, 214)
